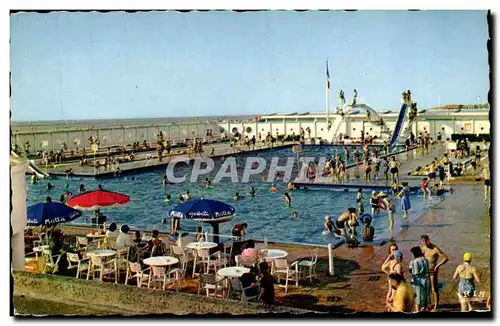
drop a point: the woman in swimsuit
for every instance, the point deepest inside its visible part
(393, 266)
(466, 286)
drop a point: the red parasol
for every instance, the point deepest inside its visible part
(97, 199)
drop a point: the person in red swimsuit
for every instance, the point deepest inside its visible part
(425, 188)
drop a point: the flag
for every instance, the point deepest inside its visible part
(327, 76)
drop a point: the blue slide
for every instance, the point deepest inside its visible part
(399, 125)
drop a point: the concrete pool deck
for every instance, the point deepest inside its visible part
(142, 163)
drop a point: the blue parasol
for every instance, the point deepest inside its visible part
(50, 213)
(204, 210)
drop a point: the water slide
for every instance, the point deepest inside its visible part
(31, 166)
(348, 109)
(399, 124)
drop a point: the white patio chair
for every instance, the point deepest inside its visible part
(203, 258)
(216, 261)
(184, 258)
(48, 261)
(74, 261)
(290, 272)
(236, 287)
(227, 252)
(103, 267)
(160, 274)
(209, 282)
(135, 270)
(245, 261)
(92, 246)
(307, 268)
(109, 243)
(122, 258)
(81, 243)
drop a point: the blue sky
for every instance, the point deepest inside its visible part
(120, 65)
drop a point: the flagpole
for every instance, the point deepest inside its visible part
(327, 106)
(327, 88)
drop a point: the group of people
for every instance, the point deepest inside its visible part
(420, 290)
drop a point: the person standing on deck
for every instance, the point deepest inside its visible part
(468, 277)
(354, 97)
(394, 169)
(487, 183)
(419, 271)
(404, 194)
(376, 165)
(342, 97)
(432, 253)
(356, 157)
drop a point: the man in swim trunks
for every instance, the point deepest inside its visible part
(393, 168)
(328, 225)
(432, 253)
(432, 172)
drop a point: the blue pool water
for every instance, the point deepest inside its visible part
(266, 213)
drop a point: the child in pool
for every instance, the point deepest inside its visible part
(167, 200)
(294, 214)
(180, 200)
(236, 196)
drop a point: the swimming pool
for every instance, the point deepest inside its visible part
(266, 214)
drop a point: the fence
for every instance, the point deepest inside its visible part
(110, 136)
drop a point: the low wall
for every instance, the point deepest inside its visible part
(129, 299)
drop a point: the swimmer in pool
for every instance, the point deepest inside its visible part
(168, 199)
(236, 196)
(374, 201)
(208, 183)
(252, 192)
(290, 186)
(81, 188)
(328, 225)
(294, 214)
(180, 200)
(66, 187)
(33, 178)
(50, 186)
(288, 199)
(187, 195)
(359, 201)
(273, 189)
(61, 198)
(164, 180)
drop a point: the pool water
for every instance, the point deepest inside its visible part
(266, 214)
